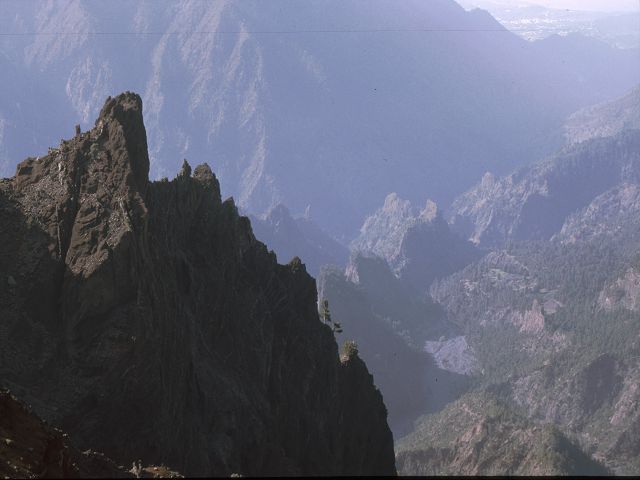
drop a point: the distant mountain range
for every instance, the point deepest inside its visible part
(605, 119)
(326, 103)
(551, 314)
(534, 202)
(535, 22)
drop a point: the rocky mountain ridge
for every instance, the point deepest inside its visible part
(145, 317)
(605, 119)
(555, 329)
(534, 202)
(550, 314)
(478, 435)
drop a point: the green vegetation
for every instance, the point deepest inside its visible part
(349, 349)
(325, 315)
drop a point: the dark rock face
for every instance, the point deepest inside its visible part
(145, 317)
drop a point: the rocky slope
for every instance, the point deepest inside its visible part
(145, 317)
(417, 244)
(260, 88)
(29, 448)
(611, 215)
(604, 120)
(555, 329)
(298, 237)
(551, 318)
(478, 435)
(534, 202)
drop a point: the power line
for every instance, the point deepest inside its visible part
(278, 32)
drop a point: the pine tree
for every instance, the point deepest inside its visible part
(325, 315)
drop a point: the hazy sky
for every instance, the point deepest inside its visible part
(600, 5)
(596, 5)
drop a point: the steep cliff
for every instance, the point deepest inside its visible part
(145, 317)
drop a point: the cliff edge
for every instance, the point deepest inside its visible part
(145, 317)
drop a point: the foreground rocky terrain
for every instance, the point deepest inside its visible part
(144, 318)
(29, 448)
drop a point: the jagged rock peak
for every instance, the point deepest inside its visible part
(206, 177)
(383, 231)
(394, 204)
(430, 211)
(121, 116)
(296, 265)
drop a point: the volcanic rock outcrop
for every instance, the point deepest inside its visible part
(144, 317)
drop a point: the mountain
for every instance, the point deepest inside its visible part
(554, 326)
(145, 317)
(331, 103)
(298, 237)
(606, 119)
(418, 245)
(610, 215)
(535, 22)
(550, 313)
(478, 435)
(534, 202)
